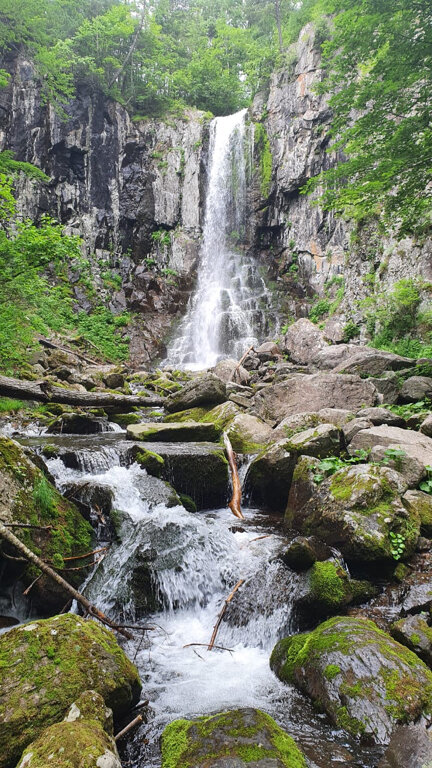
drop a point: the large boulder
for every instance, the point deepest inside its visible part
(78, 424)
(230, 370)
(175, 432)
(416, 388)
(359, 510)
(268, 479)
(410, 747)
(380, 416)
(85, 731)
(235, 739)
(248, 434)
(363, 679)
(414, 632)
(373, 362)
(303, 341)
(304, 393)
(28, 498)
(412, 443)
(207, 389)
(46, 665)
(320, 441)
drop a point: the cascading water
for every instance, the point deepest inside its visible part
(229, 307)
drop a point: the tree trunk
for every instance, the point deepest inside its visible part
(235, 503)
(29, 555)
(44, 392)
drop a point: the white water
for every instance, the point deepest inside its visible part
(227, 310)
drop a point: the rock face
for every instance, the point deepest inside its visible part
(302, 393)
(47, 664)
(365, 681)
(86, 730)
(359, 510)
(233, 739)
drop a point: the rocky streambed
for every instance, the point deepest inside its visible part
(323, 653)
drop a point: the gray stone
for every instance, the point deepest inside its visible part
(421, 503)
(269, 351)
(230, 370)
(303, 340)
(320, 441)
(388, 386)
(248, 434)
(269, 477)
(182, 431)
(407, 465)
(381, 416)
(206, 389)
(426, 426)
(352, 427)
(415, 632)
(413, 443)
(302, 488)
(410, 747)
(373, 362)
(114, 380)
(416, 388)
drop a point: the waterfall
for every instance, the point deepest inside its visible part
(227, 310)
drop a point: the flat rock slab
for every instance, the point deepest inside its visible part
(413, 443)
(175, 432)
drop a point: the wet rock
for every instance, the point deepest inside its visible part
(234, 739)
(373, 362)
(230, 370)
(114, 380)
(152, 462)
(421, 504)
(207, 389)
(27, 497)
(47, 665)
(328, 589)
(124, 419)
(187, 431)
(358, 510)
(269, 477)
(248, 434)
(304, 551)
(426, 426)
(410, 747)
(416, 388)
(302, 488)
(303, 340)
(413, 443)
(86, 730)
(363, 679)
(381, 416)
(320, 441)
(416, 634)
(78, 424)
(87, 496)
(302, 393)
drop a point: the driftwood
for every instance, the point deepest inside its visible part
(221, 614)
(45, 392)
(239, 364)
(29, 555)
(235, 503)
(136, 721)
(205, 645)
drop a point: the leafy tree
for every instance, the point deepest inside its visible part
(379, 75)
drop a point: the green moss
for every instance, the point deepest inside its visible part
(403, 692)
(191, 414)
(152, 462)
(69, 744)
(187, 502)
(349, 723)
(328, 584)
(331, 671)
(124, 419)
(262, 145)
(175, 743)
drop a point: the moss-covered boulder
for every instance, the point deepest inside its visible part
(303, 486)
(420, 503)
(45, 665)
(151, 461)
(82, 740)
(416, 633)
(185, 431)
(329, 589)
(233, 739)
(248, 434)
(27, 497)
(206, 389)
(360, 511)
(320, 441)
(269, 477)
(363, 679)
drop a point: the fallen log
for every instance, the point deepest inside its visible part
(235, 503)
(29, 555)
(44, 392)
(221, 615)
(136, 721)
(52, 345)
(240, 363)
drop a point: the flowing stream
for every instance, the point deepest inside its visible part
(230, 306)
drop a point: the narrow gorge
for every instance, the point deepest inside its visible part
(198, 326)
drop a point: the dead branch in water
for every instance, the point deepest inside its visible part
(29, 555)
(221, 614)
(235, 503)
(138, 719)
(205, 645)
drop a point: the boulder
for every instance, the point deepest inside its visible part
(410, 747)
(352, 427)
(269, 351)
(373, 362)
(337, 416)
(269, 476)
(304, 393)
(363, 679)
(114, 380)
(426, 426)
(409, 466)
(320, 441)
(174, 432)
(303, 340)
(388, 386)
(303, 487)
(381, 416)
(28, 498)
(248, 434)
(334, 330)
(329, 589)
(416, 388)
(298, 422)
(78, 424)
(415, 632)
(225, 370)
(421, 503)
(240, 738)
(359, 510)
(413, 443)
(206, 389)
(46, 665)
(86, 730)
(152, 462)
(304, 551)
(222, 415)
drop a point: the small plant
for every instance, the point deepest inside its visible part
(150, 262)
(169, 272)
(397, 544)
(161, 236)
(318, 310)
(426, 485)
(332, 464)
(394, 454)
(350, 331)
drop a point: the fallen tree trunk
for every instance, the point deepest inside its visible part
(29, 555)
(235, 503)
(44, 392)
(52, 345)
(240, 363)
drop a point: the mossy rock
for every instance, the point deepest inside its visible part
(415, 632)
(82, 740)
(233, 739)
(359, 510)
(152, 462)
(331, 589)
(124, 419)
(185, 431)
(27, 496)
(190, 414)
(45, 665)
(222, 415)
(320, 441)
(363, 679)
(248, 434)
